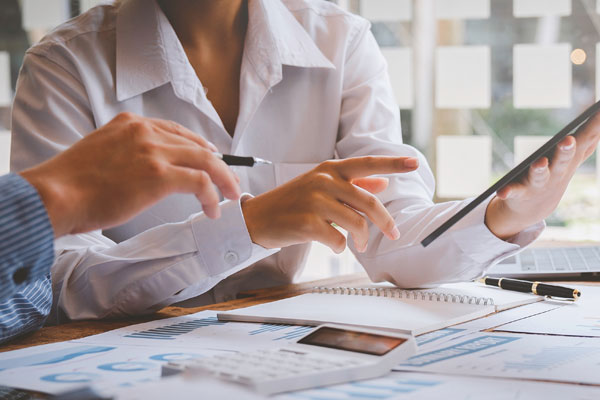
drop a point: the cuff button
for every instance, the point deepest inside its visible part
(20, 275)
(231, 257)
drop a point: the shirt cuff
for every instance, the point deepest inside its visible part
(225, 243)
(474, 238)
(26, 235)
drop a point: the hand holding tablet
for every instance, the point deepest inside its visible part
(532, 189)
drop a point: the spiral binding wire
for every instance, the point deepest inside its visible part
(425, 295)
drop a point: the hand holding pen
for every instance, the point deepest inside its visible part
(241, 161)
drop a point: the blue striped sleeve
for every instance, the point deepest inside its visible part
(26, 237)
(26, 310)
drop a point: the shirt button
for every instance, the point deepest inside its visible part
(20, 275)
(231, 257)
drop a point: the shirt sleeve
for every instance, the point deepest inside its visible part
(26, 254)
(94, 277)
(26, 236)
(370, 124)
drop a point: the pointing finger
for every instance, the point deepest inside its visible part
(372, 165)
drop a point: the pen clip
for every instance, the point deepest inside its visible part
(565, 299)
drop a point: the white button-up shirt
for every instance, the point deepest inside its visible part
(313, 86)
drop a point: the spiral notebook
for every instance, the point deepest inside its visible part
(385, 307)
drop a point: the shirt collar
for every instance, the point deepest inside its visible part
(141, 63)
(274, 38)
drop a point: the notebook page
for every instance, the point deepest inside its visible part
(400, 315)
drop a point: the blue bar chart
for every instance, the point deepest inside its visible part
(169, 332)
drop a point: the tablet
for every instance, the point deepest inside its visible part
(515, 173)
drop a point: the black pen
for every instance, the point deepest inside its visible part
(241, 161)
(542, 289)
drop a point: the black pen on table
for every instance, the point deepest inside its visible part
(241, 161)
(539, 288)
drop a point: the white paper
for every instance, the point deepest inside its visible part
(185, 388)
(112, 369)
(463, 77)
(464, 165)
(135, 353)
(409, 385)
(400, 69)
(462, 9)
(542, 76)
(202, 331)
(505, 317)
(386, 10)
(580, 318)
(527, 145)
(4, 152)
(541, 8)
(44, 14)
(549, 358)
(61, 367)
(5, 86)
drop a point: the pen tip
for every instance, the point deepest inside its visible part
(262, 161)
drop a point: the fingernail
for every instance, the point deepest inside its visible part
(540, 170)
(360, 248)
(395, 233)
(568, 147)
(411, 163)
(212, 147)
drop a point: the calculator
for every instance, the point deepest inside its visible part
(330, 354)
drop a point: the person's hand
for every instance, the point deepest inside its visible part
(124, 167)
(533, 198)
(335, 191)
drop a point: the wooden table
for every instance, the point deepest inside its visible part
(79, 329)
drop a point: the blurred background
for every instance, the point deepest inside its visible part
(480, 84)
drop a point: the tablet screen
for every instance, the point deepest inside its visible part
(516, 172)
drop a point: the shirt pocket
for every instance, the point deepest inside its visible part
(285, 172)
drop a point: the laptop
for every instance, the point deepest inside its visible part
(550, 263)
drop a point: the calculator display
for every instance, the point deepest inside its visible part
(359, 342)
